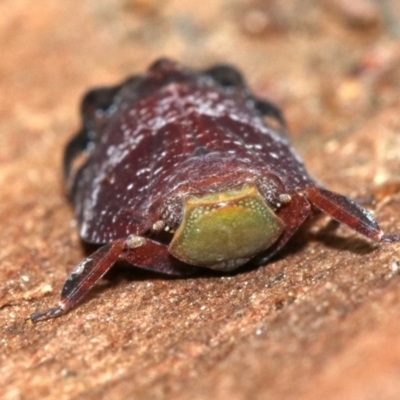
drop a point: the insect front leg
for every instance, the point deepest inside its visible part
(137, 250)
(349, 213)
(83, 278)
(154, 256)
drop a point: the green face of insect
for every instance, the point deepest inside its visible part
(223, 230)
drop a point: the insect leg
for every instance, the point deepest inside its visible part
(293, 214)
(139, 251)
(94, 107)
(83, 278)
(347, 212)
(153, 256)
(268, 109)
(230, 78)
(226, 75)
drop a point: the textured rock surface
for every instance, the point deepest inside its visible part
(321, 321)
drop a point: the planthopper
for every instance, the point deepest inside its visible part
(176, 170)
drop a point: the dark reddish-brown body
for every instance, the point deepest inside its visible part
(169, 134)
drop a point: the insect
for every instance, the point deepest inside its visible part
(182, 172)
